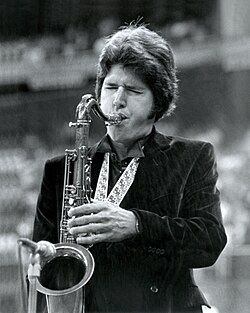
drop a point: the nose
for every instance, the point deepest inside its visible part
(120, 100)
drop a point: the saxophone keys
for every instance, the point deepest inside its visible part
(71, 201)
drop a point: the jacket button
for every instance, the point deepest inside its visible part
(154, 289)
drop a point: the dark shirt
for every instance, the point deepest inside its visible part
(120, 156)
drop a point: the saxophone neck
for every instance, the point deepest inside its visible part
(84, 108)
(89, 103)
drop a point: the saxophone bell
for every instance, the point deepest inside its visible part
(67, 271)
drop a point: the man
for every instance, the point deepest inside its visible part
(165, 218)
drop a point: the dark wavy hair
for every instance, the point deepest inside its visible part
(150, 57)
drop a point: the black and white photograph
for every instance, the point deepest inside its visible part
(124, 156)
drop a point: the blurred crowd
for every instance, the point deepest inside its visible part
(76, 41)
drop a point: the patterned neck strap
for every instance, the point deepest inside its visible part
(122, 185)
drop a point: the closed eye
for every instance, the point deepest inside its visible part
(134, 90)
(111, 87)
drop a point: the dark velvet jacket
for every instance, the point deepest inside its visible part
(175, 198)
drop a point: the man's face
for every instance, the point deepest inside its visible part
(123, 92)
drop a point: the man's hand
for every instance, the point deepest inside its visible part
(102, 221)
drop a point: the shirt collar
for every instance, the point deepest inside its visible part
(136, 150)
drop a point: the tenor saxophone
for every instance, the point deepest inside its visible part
(73, 265)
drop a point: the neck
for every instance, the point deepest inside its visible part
(124, 145)
(122, 148)
(129, 149)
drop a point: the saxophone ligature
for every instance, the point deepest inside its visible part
(73, 265)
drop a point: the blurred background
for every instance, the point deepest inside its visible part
(48, 56)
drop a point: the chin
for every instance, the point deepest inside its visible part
(118, 135)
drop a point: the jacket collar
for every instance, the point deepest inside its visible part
(157, 143)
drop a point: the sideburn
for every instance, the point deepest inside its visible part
(152, 115)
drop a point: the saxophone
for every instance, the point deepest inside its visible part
(72, 266)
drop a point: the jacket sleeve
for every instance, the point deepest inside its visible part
(45, 225)
(197, 233)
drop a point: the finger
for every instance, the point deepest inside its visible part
(91, 240)
(90, 228)
(85, 209)
(99, 201)
(95, 201)
(85, 220)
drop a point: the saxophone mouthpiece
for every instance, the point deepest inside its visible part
(113, 119)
